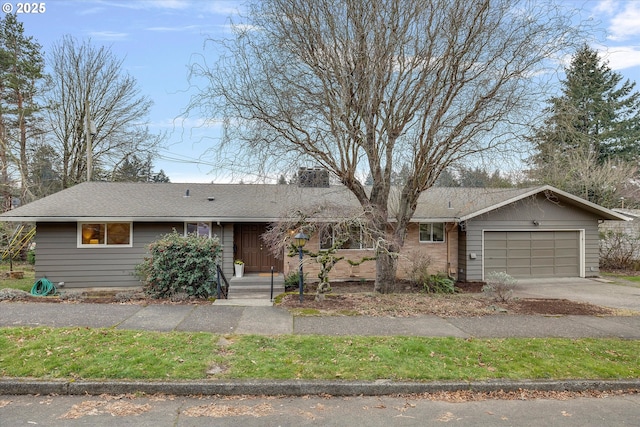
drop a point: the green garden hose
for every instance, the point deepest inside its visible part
(43, 287)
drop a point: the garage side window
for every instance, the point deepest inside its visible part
(432, 232)
(98, 234)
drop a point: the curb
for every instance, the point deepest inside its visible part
(299, 388)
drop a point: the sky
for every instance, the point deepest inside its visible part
(158, 39)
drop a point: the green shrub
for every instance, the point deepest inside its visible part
(31, 257)
(180, 265)
(439, 284)
(292, 281)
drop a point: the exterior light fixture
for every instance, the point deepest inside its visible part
(299, 240)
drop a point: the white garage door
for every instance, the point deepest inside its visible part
(533, 253)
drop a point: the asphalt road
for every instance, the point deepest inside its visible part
(161, 411)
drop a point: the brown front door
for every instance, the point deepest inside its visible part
(251, 249)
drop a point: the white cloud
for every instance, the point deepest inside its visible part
(626, 23)
(620, 57)
(108, 35)
(221, 7)
(174, 29)
(148, 4)
(606, 6)
(216, 7)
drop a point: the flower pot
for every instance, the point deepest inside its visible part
(239, 269)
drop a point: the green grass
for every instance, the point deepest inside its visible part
(103, 353)
(24, 284)
(614, 276)
(635, 279)
(119, 354)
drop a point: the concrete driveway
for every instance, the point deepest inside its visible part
(596, 291)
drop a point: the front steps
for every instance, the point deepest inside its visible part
(255, 287)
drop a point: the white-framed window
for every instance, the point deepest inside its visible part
(357, 239)
(105, 234)
(432, 232)
(198, 228)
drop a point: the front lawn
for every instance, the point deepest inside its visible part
(82, 353)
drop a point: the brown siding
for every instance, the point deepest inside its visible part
(60, 260)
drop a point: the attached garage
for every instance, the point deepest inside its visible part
(539, 233)
(527, 254)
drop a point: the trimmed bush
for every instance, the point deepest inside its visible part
(439, 284)
(179, 265)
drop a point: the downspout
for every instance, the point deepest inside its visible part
(448, 238)
(221, 241)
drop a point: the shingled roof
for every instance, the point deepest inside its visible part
(147, 202)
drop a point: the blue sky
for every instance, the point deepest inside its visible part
(159, 38)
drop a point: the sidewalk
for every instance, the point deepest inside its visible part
(223, 319)
(228, 319)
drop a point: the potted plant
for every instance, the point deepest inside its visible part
(238, 266)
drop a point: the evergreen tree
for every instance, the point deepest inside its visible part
(447, 179)
(592, 128)
(21, 71)
(595, 113)
(135, 169)
(160, 177)
(132, 169)
(44, 174)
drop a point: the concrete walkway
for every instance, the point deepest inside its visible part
(223, 319)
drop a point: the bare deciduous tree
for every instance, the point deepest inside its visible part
(335, 227)
(363, 87)
(580, 172)
(89, 79)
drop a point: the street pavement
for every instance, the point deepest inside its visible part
(378, 411)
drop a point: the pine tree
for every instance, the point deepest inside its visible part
(21, 71)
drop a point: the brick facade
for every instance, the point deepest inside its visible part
(443, 257)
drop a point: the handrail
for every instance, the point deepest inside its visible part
(223, 291)
(271, 284)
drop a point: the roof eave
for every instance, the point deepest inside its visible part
(604, 212)
(133, 219)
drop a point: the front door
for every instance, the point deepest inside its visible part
(251, 249)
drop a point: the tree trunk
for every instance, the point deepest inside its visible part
(24, 164)
(386, 269)
(5, 185)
